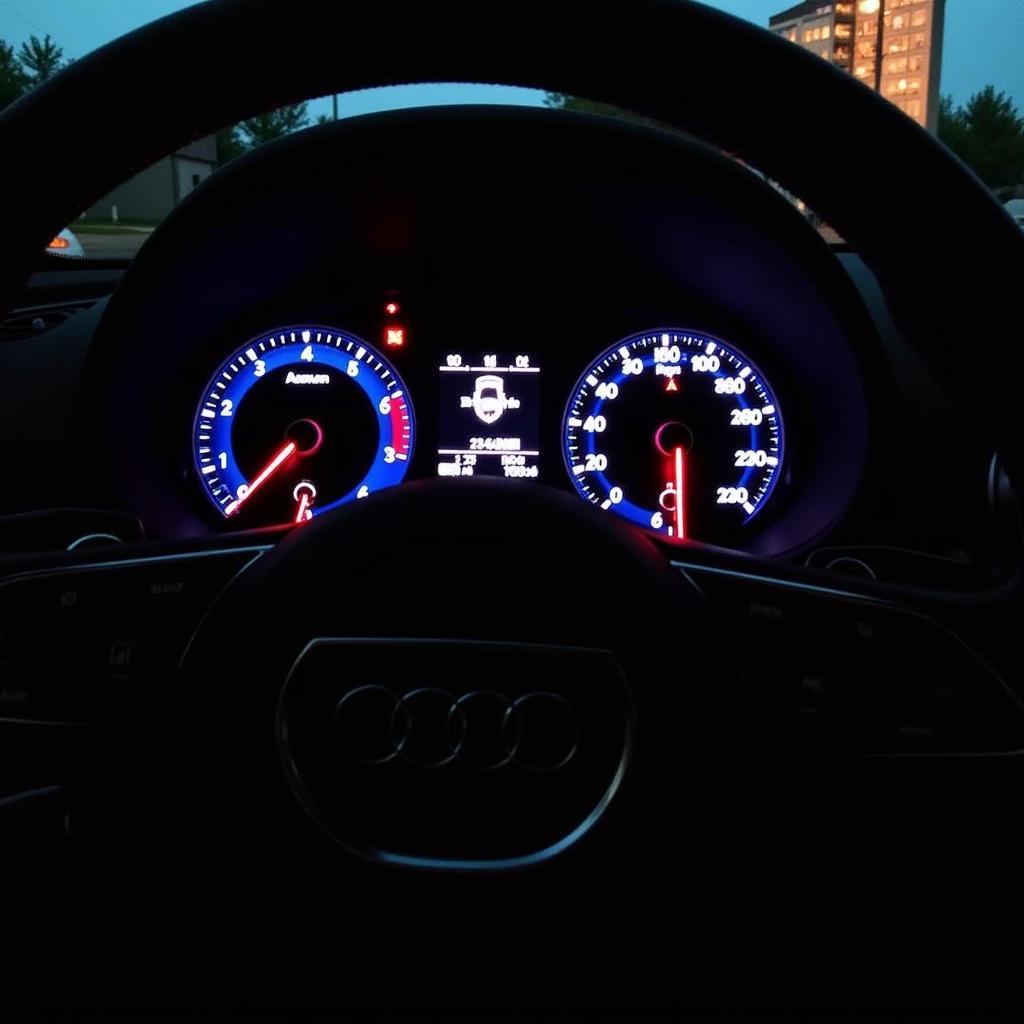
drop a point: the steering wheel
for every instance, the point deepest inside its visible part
(625, 768)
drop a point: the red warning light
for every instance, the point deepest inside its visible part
(671, 385)
(394, 337)
(391, 309)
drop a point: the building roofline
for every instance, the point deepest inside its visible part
(796, 11)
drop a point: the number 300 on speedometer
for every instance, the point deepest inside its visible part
(677, 432)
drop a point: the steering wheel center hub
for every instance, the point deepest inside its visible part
(492, 714)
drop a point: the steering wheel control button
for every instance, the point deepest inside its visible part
(855, 676)
(363, 724)
(545, 729)
(501, 775)
(81, 638)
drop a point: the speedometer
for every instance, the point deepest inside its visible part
(677, 432)
(297, 421)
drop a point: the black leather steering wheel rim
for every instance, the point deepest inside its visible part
(973, 252)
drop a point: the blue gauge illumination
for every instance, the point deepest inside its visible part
(677, 432)
(297, 421)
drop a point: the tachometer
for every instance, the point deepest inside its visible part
(677, 432)
(297, 421)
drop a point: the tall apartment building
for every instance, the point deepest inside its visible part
(850, 34)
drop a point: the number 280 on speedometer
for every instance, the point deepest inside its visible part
(677, 432)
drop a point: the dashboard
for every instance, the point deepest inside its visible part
(631, 317)
(637, 339)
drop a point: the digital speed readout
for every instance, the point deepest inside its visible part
(490, 415)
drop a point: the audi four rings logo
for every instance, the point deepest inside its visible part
(431, 728)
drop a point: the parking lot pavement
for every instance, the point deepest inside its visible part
(114, 246)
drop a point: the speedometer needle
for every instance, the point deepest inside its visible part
(264, 474)
(680, 488)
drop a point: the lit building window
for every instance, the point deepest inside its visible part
(914, 85)
(918, 18)
(843, 31)
(914, 63)
(825, 32)
(897, 87)
(917, 41)
(898, 22)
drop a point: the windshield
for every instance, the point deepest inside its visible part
(951, 66)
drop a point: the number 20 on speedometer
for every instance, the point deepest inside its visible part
(677, 432)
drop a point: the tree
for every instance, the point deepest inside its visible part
(13, 80)
(951, 123)
(987, 134)
(41, 58)
(229, 144)
(258, 130)
(559, 101)
(240, 138)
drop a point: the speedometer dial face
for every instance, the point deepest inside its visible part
(298, 421)
(677, 432)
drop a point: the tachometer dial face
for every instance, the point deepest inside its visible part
(677, 432)
(298, 421)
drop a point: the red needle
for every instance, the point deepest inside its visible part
(680, 485)
(268, 470)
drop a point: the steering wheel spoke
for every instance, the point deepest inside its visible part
(860, 670)
(88, 639)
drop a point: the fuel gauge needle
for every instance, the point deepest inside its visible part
(264, 474)
(680, 488)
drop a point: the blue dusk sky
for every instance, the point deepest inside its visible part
(983, 43)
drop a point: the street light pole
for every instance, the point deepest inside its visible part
(877, 7)
(879, 54)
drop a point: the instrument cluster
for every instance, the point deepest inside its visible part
(673, 429)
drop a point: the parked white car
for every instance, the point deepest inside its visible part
(1015, 208)
(66, 244)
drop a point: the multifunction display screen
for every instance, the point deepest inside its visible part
(489, 423)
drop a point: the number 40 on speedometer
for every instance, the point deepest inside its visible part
(677, 432)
